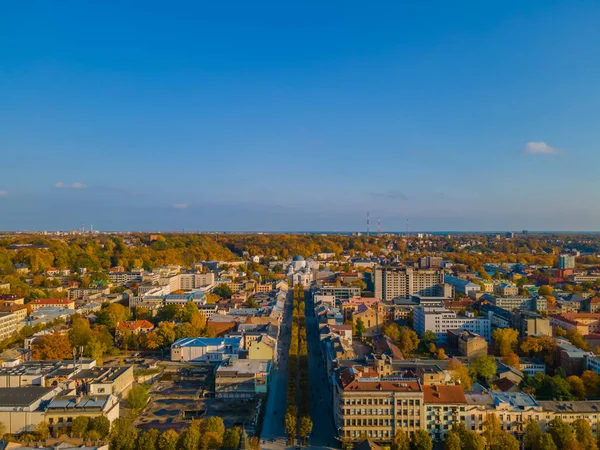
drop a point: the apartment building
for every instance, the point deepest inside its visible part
(8, 324)
(444, 406)
(441, 319)
(566, 261)
(505, 289)
(529, 323)
(585, 323)
(404, 282)
(376, 407)
(521, 302)
(339, 293)
(55, 302)
(195, 280)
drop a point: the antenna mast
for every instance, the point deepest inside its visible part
(368, 223)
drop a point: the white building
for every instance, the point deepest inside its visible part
(404, 282)
(441, 319)
(205, 349)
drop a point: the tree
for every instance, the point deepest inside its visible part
(168, 313)
(545, 290)
(401, 441)
(391, 330)
(251, 303)
(591, 381)
(452, 441)
(190, 439)
(42, 430)
(305, 427)
(168, 440)
(360, 327)
(577, 387)
(223, 291)
(290, 424)
(491, 430)
(138, 397)
(166, 332)
(151, 340)
(407, 342)
(112, 315)
(428, 337)
(52, 346)
(231, 439)
(96, 349)
(546, 443)
(100, 425)
(506, 340)
(512, 360)
(460, 374)
(583, 434)
(123, 434)
(421, 440)
(80, 332)
(148, 440)
(441, 354)
(505, 441)
(215, 425)
(532, 436)
(92, 435)
(79, 426)
(561, 433)
(483, 367)
(189, 310)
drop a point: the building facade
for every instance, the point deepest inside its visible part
(404, 282)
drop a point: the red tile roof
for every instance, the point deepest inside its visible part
(444, 394)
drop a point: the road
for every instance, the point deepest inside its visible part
(273, 426)
(273, 431)
(324, 431)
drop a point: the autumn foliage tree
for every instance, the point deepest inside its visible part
(52, 346)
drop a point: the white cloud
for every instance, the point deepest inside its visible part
(180, 205)
(539, 148)
(3, 194)
(75, 185)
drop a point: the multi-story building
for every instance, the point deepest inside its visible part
(244, 379)
(376, 407)
(505, 289)
(531, 366)
(566, 261)
(572, 359)
(11, 299)
(404, 282)
(441, 319)
(205, 349)
(21, 408)
(8, 324)
(465, 287)
(444, 407)
(430, 262)
(62, 410)
(529, 323)
(585, 323)
(340, 293)
(195, 280)
(467, 344)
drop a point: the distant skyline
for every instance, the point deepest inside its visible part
(283, 116)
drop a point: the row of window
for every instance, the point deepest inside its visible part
(380, 401)
(380, 412)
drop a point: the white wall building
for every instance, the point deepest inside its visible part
(441, 319)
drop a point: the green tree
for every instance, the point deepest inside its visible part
(123, 435)
(583, 434)
(360, 327)
(532, 436)
(92, 435)
(401, 441)
(460, 373)
(591, 381)
(491, 430)
(545, 290)
(190, 439)
(428, 337)
(112, 314)
(223, 291)
(79, 426)
(168, 313)
(421, 440)
(561, 432)
(231, 439)
(168, 440)
(483, 367)
(138, 397)
(505, 441)
(546, 443)
(189, 310)
(100, 425)
(452, 441)
(148, 440)
(96, 349)
(577, 387)
(215, 425)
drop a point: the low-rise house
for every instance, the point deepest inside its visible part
(136, 327)
(265, 348)
(52, 302)
(466, 343)
(104, 380)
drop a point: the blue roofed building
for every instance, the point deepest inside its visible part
(203, 350)
(462, 286)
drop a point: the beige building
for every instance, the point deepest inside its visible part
(444, 406)
(265, 347)
(56, 302)
(8, 324)
(63, 409)
(243, 379)
(11, 299)
(404, 282)
(20, 408)
(376, 407)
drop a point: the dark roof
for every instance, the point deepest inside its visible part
(367, 444)
(22, 396)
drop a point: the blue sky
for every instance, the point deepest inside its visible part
(300, 115)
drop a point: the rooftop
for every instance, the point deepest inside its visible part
(22, 396)
(444, 394)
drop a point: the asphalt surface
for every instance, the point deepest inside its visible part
(273, 431)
